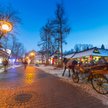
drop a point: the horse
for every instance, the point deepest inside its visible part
(70, 65)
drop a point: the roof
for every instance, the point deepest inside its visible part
(93, 51)
(102, 53)
(84, 53)
(70, 55)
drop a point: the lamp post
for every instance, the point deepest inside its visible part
(5, 27)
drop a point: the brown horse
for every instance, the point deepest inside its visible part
(70, 65)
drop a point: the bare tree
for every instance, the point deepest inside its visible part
(17, 49)
(82, 47)
(47, 40)
(54, 33)
(5, 43)
(62, 28)
(77, 48)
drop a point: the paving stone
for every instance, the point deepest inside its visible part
(36, 89)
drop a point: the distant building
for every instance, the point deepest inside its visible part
(35, 57)
(30, 56)
(40, 58)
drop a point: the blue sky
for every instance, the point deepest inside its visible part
(87, 18)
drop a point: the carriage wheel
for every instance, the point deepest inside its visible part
(100, 84)
(75, 77)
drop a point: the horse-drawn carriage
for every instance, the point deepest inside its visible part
(97, 74)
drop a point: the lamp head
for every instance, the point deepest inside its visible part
(6, 26)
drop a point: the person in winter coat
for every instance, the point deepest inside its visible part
(5, 64)
(25, 63)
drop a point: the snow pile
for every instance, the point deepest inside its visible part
(85, 86)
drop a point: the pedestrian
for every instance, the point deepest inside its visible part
(5, 64)
(25, 63)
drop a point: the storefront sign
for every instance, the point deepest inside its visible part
(96, 51)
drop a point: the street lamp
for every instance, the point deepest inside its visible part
(32, 54)
(5, 27)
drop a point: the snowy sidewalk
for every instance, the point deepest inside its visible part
(13, 66)
(82, 85)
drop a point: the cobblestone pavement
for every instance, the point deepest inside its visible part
(32, 88)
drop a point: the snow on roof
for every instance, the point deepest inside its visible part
(83, 53)
(100, 52)
(69, 56)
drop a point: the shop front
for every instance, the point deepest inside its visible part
(53, 60)
(3, 55)
(88, 55)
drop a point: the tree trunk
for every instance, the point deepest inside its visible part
(61, 43)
